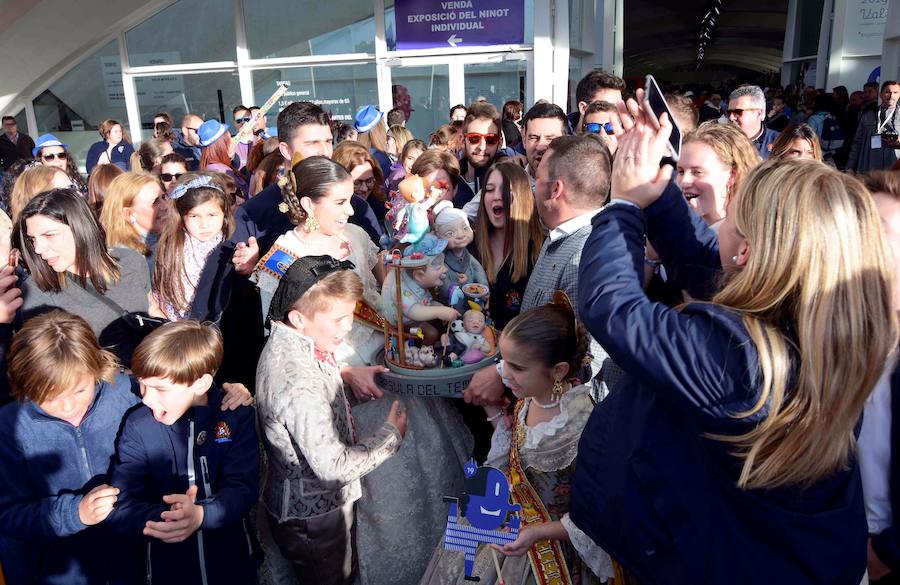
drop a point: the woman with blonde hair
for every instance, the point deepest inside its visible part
(508, 237)
(134, 212)
(714, 159)
(99, 182)
(397, 137)
(33, 181)
(729, 450)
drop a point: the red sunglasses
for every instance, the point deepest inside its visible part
(489, 139)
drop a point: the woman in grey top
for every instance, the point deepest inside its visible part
(64, 250)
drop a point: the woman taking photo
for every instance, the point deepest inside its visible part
(714, 159)
(730, 453)
(64, 249)
(508, 238)
(115, 148)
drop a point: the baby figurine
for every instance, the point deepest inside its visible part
(452, 225)
(473, 337)
(418, 274)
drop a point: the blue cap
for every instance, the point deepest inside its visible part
(46, 140)
(210, 131)
(367, 118)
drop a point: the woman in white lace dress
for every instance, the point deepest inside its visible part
(537, 450)
(400, 516)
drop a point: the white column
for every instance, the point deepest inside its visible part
(456, 73)
(561, 53)
(836, 54)
(822, 53)
(543, 51)
(245, 76)
(31, 118)
(382, 71)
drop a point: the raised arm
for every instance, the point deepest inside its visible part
(688, 248)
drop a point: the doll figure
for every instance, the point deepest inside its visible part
(411, 220)
(472, 336)
(452, 225)
(418, 274)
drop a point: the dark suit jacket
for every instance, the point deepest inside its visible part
(887, 544)
(10, 153)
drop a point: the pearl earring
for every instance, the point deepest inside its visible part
(734, 259)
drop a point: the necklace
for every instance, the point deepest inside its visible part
(544, 406)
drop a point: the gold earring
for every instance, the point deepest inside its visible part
(311, 224)
(557, 391)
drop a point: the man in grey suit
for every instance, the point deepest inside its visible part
(572, 184)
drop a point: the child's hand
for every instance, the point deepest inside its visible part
(96, 505)
(245, 256)
(362, 381)
(236, 395)
(448, 314)
(397, 417)
(523, 543)
(181, 521)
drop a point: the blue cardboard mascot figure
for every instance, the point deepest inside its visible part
(485, 504)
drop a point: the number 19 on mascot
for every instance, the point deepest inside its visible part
(485, 505)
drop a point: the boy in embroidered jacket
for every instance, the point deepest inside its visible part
(188, 474)
(315, 459)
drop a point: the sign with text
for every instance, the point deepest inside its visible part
(428, 24)
(864, 27)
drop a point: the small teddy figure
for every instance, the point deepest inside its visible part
(427, 357)
(473, 338)
(452, 225)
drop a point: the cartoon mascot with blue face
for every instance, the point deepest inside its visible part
(485, 505)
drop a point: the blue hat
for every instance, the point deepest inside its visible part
(367, 118)
(210, 131)
(46, 140)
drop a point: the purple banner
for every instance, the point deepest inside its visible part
(428, 24)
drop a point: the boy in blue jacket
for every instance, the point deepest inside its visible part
(56, 442)
(188, 474)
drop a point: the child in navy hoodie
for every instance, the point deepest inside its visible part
(188, 473)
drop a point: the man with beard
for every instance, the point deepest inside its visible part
(481, 139)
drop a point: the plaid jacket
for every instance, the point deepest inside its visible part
(557, 269)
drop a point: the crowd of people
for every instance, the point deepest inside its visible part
(696, 362)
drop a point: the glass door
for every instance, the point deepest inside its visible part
(425, 89)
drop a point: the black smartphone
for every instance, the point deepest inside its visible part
(658, 104)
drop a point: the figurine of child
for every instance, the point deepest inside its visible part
(451, 224)
(419, 272)
(473, 337)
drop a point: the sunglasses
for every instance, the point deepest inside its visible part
(740, 112)
(595, 127)
(242, 120)
(58, 155)
(489, 139)
(169, 177)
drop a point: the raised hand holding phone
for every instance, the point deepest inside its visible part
(637, 176)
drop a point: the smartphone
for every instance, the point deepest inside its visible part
(658, 105)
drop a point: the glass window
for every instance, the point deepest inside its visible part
(809, 26)
(209, 95)
(22, 122)
(497, 82)
(574, 78)
(320, 32)
(74, 106)
(189, 31)
(429, 94)
(339, 89)
(576, 17)
(390, 24)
